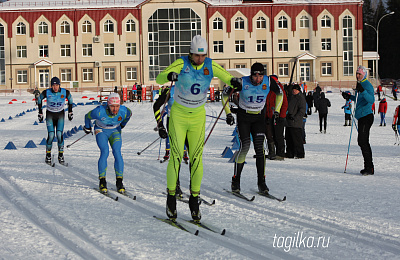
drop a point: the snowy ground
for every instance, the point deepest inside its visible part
(54, 213)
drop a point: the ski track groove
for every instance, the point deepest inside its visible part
(64, 235)
(383, 242)
(238, 244)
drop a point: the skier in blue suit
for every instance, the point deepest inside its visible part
(109, 121)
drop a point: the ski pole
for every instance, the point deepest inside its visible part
(68, 146)
(351, 131)
(148, 146)
(159, 150)
(215, 117)
(222, 110)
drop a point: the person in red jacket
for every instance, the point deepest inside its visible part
(378, 91)
(396, 122)
(373, 108)
(275, 122)
(382, 111)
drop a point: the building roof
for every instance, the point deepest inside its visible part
(60, 4)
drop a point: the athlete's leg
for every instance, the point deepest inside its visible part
(115, 140)
(50, 130)
(102, 143)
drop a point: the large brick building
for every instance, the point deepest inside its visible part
(102, 43)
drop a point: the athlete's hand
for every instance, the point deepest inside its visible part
(236, 83)
(394, 127)
(70, 116)
(162, 132)
(87, 130)
(40, 117)
(172, 76)
(230, 120)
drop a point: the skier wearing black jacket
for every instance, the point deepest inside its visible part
(322, 107)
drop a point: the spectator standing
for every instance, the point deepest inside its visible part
(139, 93)
(322, 107)
(378, 91)
(382, 109)
(317, 96)
(396, 121)
(309, 100)
(394, 90)
(347, 111)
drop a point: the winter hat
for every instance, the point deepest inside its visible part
(55, 80)
(363, 71)
(114, 99)
(198, 45)
(297, 86)
(257, 68)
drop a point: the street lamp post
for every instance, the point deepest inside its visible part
(377, 45)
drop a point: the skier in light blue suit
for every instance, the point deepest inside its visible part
(109, 120)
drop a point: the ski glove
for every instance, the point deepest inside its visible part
(345, 95)
(394, 127)
(276, 115)
(162, 132)
(236, 83)
(172, 76)
(70, 116)
(230, 120)
(87, 130)
(40, 117)
(359, 88)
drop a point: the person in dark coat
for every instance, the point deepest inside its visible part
(322, 108)
(310, 101)
(317, 96)
(394, 90)
(294, 119)
(139, 93)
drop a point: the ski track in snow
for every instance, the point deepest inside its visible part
(55, 213)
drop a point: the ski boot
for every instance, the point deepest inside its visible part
(103, 185)
(235, 186)
(61, 158)
(120, 185)
(178, 191)
(194, 208)
(262, 187)
(48, 158)
(166, 156)
(171, 207)
(367, 171)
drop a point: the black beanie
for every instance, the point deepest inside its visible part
(257, 68)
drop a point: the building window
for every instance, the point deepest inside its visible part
(65, 28)
(304, 44)
(151, 37)
(217, 24)
(239, 23)
(109, 74)
(21, 28)
(87, 27)
(153, 60)
(261, 45)
(240, 66)
(87, 74)
(43, 51)
(283, 69)
(87, 50)
(239, 46)
(282, 22)
(109, 49)
(261, 23)
(66, 75)
(304, 22)
(326, 22)
(218, 46)
(326, 69)
(108, 26)
(326, 44)
(131, 73)
(22, 76)
(283, 45)
(130, 26)
(21, 52)
(172, 49)
(193, 25)
(131, 49)
(347, 46)
(65, 50)
(43, 28)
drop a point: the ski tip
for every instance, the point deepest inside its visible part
(252, 198)
(223, 232)
(284, 198)
(213, 202)
(138, 153)
(116, 198)
(196, 233)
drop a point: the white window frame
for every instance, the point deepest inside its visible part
(66, 75)
(304, 22)
(86, 27)
(109, 74)
(22, 76)
(240, 46)
(217, 45)
(261, 23)
(153, 60)
(45, 50)
(283, 69)
(65, 28)
(261, 46)
(43, 28)
(131, 73)
(325, 21)
(130, 26)
(108, 26)
(239, 23)
(193, 25)
(324, 68)
(87, 50)
(109, 49)
(283, 43)
(150, 37)
(171, 26)
(87, 74)
(65, 50)
(218, 24)
(22, 52)
(21, 28)
(304, 44)
(326, 44)
(282, 22)
(131, 49)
